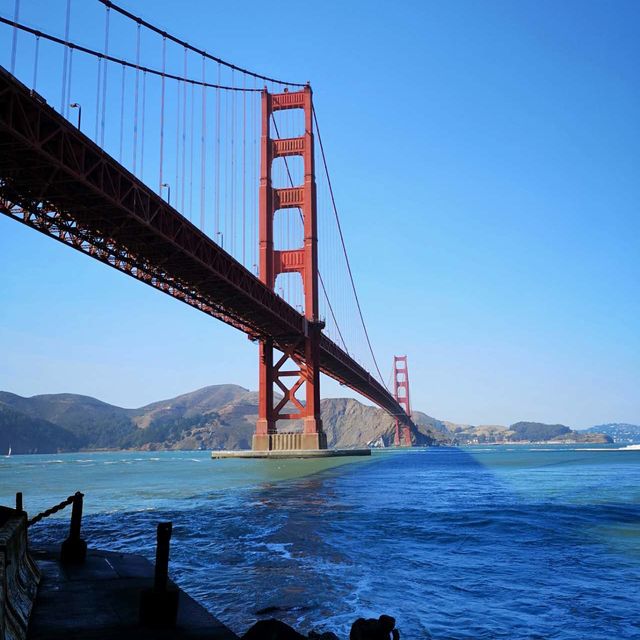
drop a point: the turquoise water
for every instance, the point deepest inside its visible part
(494, 542)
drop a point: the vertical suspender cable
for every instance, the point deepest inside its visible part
(176, 151)
(135, 100)
(35, 63)
(193, 118)
(104, 73)
(244, 169)
(98, 87)
(289, 217)
(217, 181)
(184, 132)
(214, 163)
(254, 181)
(203, 148)
(225, 166)
(122, 91)
(63, 99)
(164, 68)
(14, 43)
(70, 74)
(144, 119)
(233, 163)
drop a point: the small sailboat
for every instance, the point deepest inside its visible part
(9, 452)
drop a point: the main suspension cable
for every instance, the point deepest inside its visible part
(344, 248)
(201, 52)
(105, 57)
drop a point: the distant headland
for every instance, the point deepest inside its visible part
(223, 417)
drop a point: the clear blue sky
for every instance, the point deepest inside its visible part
(486, 161)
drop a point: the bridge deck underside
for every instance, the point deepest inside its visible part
(56, 180)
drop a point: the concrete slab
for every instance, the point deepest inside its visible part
(100, 600)
(292, 453)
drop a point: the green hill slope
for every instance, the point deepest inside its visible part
(27, 434)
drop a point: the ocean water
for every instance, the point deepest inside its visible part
(495, 542)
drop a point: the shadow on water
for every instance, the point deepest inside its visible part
(450, 543)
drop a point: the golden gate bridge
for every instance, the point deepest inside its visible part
(197, 177)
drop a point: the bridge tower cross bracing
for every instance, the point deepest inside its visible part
(401, 394)
(303, 260)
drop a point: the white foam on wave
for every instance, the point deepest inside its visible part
(631, 447)
(279, 548)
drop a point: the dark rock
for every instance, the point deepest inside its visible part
(387, 623)
(371, 629)
(271, 609)
(327, 635)
(272, 630)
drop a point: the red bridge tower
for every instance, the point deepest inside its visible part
(401, 394)
(303, 260)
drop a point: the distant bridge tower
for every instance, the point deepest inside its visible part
(401, 394)
(303, 260)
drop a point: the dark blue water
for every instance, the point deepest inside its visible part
(473, 543)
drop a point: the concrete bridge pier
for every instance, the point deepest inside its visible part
(289, 441)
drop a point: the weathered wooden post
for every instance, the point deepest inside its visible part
(159, 605)
(163, 539)
(74, 548)
(19, 508)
